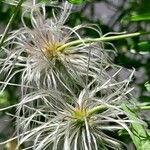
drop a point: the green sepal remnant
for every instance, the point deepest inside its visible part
(77, 2)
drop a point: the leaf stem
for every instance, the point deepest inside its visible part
(97, 109)
(102, 108)
(145, 107)
(10, 22)
(101, 39)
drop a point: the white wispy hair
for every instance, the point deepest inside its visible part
(33, 52)
(31, 3)
(49, 119)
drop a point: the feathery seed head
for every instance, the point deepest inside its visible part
(86, 122)
(34, 51)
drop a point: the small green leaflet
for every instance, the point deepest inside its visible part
(4, 98)
(147, 85)
(77, 2)
(140, 134)
(141, 17)
(143, 46)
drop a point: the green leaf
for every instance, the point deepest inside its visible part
(142, 17)
(142, 46)
(139, 135)
(147, 85)
(76, 1)
(4, 98)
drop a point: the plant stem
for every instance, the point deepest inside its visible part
(97, 109)
(145, 107)
(10, 22)
(102, 108)
(101, 39)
